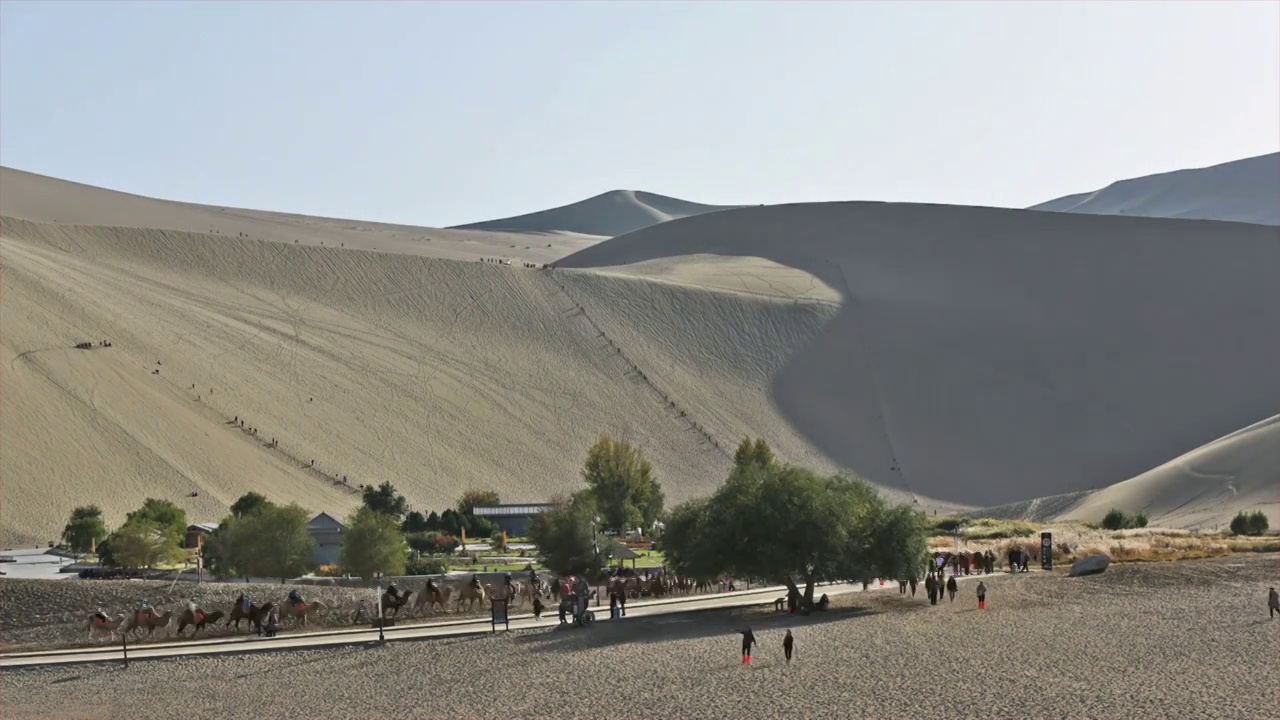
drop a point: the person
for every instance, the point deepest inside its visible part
(394, 592)
(537, 607)
(788, 643)
(243, 602)
(622, 603)
(824, 602)
(295, 597)
(145, 608)
(1273, 603)
(931, 587)
(902, 586)
(194, 611)
(273, 624)
(913, 586)
(748, 639)
(101, 614)
(613, 605)
(982, 595)
(533, 579)
(952, 588)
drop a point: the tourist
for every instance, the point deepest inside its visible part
(622, 603)
(913, 586)
(982, 595)
(748, 639)
(788, 643)
(1273, 602)
(613, 605)
(931, 587)
(952, 588)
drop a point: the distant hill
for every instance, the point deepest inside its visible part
(1242, 191)
(613, 213)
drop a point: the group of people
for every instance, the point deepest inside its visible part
(749, 640)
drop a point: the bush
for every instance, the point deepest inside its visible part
(1117, 519)
(1252, 523)
(426, 566)
(945, 525)
(1140, 520)
(432, 543)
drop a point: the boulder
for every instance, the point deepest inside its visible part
(1091, 565)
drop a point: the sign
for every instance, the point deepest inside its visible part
(1046, 550)
(499, 614)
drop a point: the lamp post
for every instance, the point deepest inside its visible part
(595, 548)
(381, 638)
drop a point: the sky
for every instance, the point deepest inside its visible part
(439, 113)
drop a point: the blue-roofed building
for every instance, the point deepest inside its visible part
(513, 518)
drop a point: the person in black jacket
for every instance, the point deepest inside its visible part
(952, 588)
(788, 643)
(748, 639)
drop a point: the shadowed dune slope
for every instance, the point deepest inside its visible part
(1204, 487)
(434, 374)
(1245, 190)
(612, 213)
(29, 196)
(1005, 354)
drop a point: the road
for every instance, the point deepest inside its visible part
(416, 631)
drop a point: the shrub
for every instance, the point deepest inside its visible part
(1252, 523)
(1114, 519)
(432, 543)
(1140, 520)
(426, 566)
(945, 525)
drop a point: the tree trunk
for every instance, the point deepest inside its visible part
(808, 590)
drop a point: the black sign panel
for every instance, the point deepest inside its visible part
(499, 613)
(1046, 550)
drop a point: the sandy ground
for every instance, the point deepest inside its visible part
(1190, 639)
(606, 215)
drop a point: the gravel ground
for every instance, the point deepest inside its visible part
(1189, 639)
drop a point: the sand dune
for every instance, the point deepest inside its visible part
(1204, 487)
(29, 196)
(608, 214)
(1245, 190)
(435, 374)
(1002, 355)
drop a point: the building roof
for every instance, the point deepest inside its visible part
(622, 552)
(513, 510)
(325, 521)
(204, 527)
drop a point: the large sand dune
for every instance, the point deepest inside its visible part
(994, 355)
(608, 214)
(1245, 190)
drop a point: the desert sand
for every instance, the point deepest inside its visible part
(957, 356)
(1190, 639)
(1245, 190)
(613, 213)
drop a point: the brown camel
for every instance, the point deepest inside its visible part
(394, 603)
(302, 611)
(148, 621)
(471, 593)
(200, 620)
(254, 615)
(431, 596)
(99, 623)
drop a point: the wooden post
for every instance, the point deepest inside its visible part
(124, 644)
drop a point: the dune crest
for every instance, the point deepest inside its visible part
(608, 214)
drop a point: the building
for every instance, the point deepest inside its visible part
(195, 531)
(326, 530)
(512, 518)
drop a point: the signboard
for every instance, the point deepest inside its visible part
(499, 617)
(1046, 550)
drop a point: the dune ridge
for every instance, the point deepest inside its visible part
(1246, 190)
(612, 213)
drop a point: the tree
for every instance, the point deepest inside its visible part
(749, 454)
(85, 529)
(145, 544)
(1249, 523)
(385, 500)
(498, 540)
(565, 539)
(161, 512)
(621, 483)
(471, 498)
(219, 549)
(373, 543)
(274, 542)
(1115, 519)
(248, 503)
(415, 522)
(788, 525)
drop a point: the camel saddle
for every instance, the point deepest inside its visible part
(144, 616)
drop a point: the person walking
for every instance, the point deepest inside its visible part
(913, 587)
(952, 588)
(613, 606)
(788, 643)
(982, 595)
(931, 587)
(1273, 602)
(748, 639)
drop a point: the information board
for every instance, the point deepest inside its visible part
(1046, 550)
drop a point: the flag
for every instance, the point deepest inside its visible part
(199, 542)
(93, 545)
(504, 538)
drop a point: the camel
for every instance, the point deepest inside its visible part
(199, 620)
(392, 603)
(149, 621)
(471, 593)
(432, 595)
(98, 624)
(254, 615)
(302, 610)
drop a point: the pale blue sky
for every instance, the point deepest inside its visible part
(439, 113)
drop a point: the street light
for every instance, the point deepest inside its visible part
(381, 638)
(595, 549)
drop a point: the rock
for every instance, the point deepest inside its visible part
(1091, 565)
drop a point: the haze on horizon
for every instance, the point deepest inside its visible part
(446, 113)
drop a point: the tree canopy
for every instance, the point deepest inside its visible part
(84, 529)
(161, 512)
(753, 454)
(621, 483)
(273, 541)
(789, 525)
(145, 544)
(249, 502)
(385, 500)
(471, 498)
(373, 543)
(565, 538)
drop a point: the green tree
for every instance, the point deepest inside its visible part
(788, 525)
(498, 541)
(385, 500)
(621, 483)
(471, 498)
(146, 544)
(414, 522)
(373, 543)
(248, 503)
(755, 453)
(161, 512)
(1115, 519)
(565, 538)
(219, 549)
(84, 529)
(274, 542)
(1249, 523)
